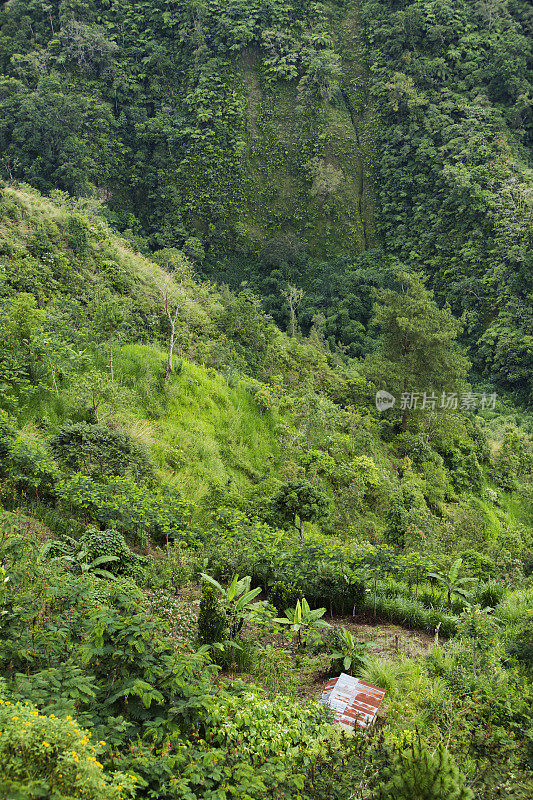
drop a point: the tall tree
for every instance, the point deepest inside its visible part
(417, 353)
(173, 292)
(293, 295)
(298, 502)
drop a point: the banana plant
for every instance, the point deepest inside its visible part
(79, 559)
(351, 653)
(237, 599)
(452, 582)
(302, 620)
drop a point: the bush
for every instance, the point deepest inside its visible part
(43, 756)
(78, 239)
(237, 656)
(357, 596)
(515, 605)
(106, 543)
(415, 773)
(490, 594)
(27, 465)
(167, 571)
(212, 622)
(478, 564)
(123, 503)
(98, 451)
(522, 642)
(284, 594)
(8, 434)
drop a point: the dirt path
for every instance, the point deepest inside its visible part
(390, 640)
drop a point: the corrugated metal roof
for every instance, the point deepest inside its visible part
(352, 701)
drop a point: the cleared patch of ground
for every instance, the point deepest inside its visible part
(273, 661)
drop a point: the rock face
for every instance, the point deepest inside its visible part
(284, 159)
(238, 123)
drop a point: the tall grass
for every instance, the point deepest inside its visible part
(515, 605)
(410, 691)
(411, 613)
(203, 430)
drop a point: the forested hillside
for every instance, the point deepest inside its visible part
(255, 454)
(278, 142)
(266, 371)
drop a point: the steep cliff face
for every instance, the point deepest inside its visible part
(277, 152)
(305, 172)
(233, 122)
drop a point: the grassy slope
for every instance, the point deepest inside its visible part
(197, 427)
(202, 431)
(201, 428)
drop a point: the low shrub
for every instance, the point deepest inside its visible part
(284, 594)
(169, 570)
(97, 451)
(515, 605)
(490, 594)
(107, 543)
(48, 756)
(212, 621)
(521, 645)
(414, 771)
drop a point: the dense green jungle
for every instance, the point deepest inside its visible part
(266, 385)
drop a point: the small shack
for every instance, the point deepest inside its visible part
(352, 701)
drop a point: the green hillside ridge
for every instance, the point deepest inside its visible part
(246, 406)
(262, 456)
(295, 143)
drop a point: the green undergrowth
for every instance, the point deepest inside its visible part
(200, 429)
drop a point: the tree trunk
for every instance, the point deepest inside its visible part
(302, 532)
(170, 351)
(437, 634)
(53, 377)
(406, 410)
(111, 355)
(293, 321)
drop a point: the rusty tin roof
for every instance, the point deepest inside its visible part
(352, 701)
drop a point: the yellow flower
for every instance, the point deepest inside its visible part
(14, 719)
(102, 743)
(46, 744)
(69, 718)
